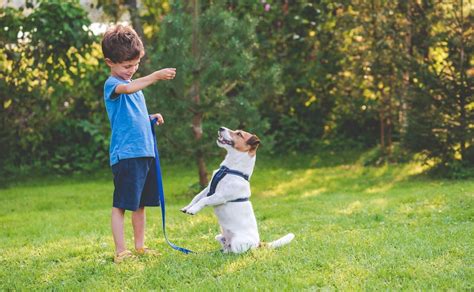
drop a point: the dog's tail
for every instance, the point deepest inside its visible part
(281, 241)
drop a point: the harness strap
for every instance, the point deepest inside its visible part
(238, 200)
(236, 172)
(220, 174)
(159, 185)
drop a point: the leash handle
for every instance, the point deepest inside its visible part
(159, 185)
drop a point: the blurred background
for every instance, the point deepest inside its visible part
(393, 79)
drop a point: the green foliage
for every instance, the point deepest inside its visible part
(50, 83)
(11, 22)
(300, 41)
(224, 70)
(58, 34)
(441, 111)
(67, 156)
(453, 169)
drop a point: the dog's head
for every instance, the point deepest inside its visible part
(238, 140)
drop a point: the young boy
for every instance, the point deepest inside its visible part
(131, 145)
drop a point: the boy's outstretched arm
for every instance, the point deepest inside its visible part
(140, 83)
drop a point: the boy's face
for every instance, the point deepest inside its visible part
(123, 70)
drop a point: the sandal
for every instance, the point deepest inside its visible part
(122, 256)
(146, 251)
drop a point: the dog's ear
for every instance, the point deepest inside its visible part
(254, 142)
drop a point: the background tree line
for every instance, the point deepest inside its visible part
(392, 76)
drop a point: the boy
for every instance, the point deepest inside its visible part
(131, 145)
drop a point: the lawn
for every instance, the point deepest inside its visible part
(357, 228)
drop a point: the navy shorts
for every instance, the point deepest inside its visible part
(135, 183)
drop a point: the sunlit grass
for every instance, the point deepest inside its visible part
(356, 228)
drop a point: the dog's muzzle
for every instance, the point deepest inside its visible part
(222, 140)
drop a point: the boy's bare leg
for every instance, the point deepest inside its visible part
(138, 222)
(117, 229)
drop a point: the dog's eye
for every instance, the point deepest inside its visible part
(240, 134)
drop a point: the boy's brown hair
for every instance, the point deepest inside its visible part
(122, 43)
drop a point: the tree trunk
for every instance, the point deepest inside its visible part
(389, 119)
(403, 116)
(195, 95)
(382, 130)
(462, 88)
(136, 24)
(135, 18)
(4, 133)
(375, 62)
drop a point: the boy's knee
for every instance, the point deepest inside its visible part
(118, 210)
(140, 210)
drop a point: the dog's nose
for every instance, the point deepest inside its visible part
(221, 129)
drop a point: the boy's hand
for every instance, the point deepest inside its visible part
(158, 117)
(165, 74)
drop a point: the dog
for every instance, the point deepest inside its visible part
(229, 193)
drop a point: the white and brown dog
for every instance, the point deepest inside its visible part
(229, 193)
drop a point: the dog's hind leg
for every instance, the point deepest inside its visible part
(239, 246)
(221, 239)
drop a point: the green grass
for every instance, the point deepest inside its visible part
(357, 228)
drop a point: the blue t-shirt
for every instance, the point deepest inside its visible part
(131, 133)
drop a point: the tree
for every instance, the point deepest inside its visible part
(299, 40)
(215, 84)
(442, 117)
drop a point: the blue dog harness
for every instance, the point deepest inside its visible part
(220, 174)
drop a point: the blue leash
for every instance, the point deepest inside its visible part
(159, 185)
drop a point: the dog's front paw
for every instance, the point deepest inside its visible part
(193, 210)
(183, 209)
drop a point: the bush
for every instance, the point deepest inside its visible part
(376, 156)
